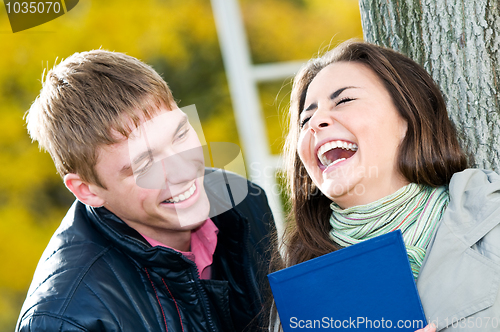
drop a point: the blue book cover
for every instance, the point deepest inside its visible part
(368, 286)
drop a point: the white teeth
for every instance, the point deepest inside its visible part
(184, 196)
(333, 145)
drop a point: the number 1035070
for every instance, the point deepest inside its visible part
(33, 7)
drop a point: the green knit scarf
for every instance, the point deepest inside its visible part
(414, 209)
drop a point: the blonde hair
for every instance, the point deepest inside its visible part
(87, 97)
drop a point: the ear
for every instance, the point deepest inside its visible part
(85, 192)
(404, 129)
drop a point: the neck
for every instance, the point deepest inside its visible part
(176, 239)
(368, 193)
(180, 240)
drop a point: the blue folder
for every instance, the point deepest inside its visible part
(368, 286)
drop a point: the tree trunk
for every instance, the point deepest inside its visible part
(458, 43)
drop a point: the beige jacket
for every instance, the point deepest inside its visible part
(459, 280)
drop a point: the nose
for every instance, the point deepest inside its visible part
(320, 119)
(183, 166)
(176, 169)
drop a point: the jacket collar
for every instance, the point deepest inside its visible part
(473, 212)
(131, 242)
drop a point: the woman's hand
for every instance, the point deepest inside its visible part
(429, 328)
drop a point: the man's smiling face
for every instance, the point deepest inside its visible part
(154, 179)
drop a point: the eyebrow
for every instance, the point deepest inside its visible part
(150, 152)
(332, 96)
(181, 124)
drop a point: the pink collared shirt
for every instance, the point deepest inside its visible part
(203, 243)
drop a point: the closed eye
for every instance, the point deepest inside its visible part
(344, 100)
(303, 123)
(183, 134)
(143, 170)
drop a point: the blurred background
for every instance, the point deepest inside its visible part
(179, 39)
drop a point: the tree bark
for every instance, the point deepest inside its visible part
(458, 43)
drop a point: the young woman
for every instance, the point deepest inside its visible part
(371, 149)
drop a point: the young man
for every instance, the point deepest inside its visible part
(152, 243)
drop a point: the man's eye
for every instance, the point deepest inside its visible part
(183, 134)
(303, 123)
(143, 170)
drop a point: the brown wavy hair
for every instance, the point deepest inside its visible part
(429, 154)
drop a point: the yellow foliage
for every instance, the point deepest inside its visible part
(177, 33)
(283, 30)
(213, 133)
(22, 245)
(10, 303)
(275, 100)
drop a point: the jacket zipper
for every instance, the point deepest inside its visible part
(255, 297)
(201, 292)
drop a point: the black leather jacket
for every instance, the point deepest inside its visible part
(98, 274)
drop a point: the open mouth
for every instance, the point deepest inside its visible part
(334, 152)
(182, 197)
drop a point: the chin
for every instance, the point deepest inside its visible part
(195, 217)
(345, 196)
(194, 225)
(335, 188)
